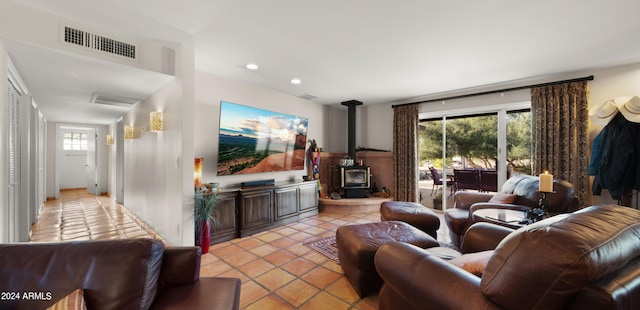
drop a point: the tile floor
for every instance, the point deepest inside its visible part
(277, 270)
(78, 215)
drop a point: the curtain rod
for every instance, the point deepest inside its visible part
(586, 78)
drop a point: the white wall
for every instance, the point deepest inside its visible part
(152, 164)
(158, 167)
(51, 151)
(374, 127)
(335, 129)
(4, 218)
(210, 90)
(111, 162)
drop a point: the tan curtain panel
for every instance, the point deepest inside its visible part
(405, 152)
(560, 142)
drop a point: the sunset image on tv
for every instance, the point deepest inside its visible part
(254, 140)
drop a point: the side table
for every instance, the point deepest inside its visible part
(504, 217)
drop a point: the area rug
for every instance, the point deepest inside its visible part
(326, 247)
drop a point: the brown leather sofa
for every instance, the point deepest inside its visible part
(588, 259)
(118, 274)
(524, 187)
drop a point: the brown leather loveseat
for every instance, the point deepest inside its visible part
(525, 195)
(118, 274)
(588, 259)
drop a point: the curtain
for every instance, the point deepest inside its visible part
(405, 152)
(560, 142)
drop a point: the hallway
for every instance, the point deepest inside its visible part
(78, 215)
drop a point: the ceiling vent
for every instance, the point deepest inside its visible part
(309, 96)
(99, 43)
(114, 100)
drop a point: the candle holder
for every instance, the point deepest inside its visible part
(543, 203)
(537, 214)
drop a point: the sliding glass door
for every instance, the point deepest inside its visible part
(518, 141)
(472, 141)
(473, 151)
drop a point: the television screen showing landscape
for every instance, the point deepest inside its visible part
(254, 140)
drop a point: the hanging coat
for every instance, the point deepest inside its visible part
(618, 168)
(596, 154)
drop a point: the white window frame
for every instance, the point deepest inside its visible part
(77, 142)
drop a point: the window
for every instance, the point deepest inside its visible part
(496, 139)
(519, 141)
(74, 141)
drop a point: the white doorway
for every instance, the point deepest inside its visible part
(77, 159)
(91, 161)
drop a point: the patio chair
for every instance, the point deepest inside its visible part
(467, 179)
(437, 180)
(488, 180)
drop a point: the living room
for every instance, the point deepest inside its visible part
(158, 169)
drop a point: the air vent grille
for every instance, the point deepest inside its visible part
(309, 96)
(113, 100)
(98, 42)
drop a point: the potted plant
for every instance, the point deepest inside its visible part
(437, 200)
(205, 207)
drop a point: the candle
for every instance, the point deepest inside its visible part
(546, 182)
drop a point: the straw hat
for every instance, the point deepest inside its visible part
(602, 113)
(629, 107)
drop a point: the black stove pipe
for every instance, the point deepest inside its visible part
(351, 129)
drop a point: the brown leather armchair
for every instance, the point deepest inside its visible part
(524, 187)
(118, 274)
(588, 259)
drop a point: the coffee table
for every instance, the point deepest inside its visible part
(504, 217)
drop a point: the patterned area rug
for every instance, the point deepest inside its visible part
(326, 247)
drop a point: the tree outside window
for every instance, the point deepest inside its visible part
(472, 142)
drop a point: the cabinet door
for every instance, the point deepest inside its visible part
(227, 223)
(257, 208)
(308, 196)
(286, 202)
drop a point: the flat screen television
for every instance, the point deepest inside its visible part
(253, 140)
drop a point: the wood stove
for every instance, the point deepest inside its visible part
(355, 179)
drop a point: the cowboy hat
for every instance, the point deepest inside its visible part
(602, 113)
(629, 107)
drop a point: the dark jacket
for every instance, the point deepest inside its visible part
(618, 169)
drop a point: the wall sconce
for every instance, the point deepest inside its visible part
(197, 173)
(155, 121)
(109, 139)
(128, 132)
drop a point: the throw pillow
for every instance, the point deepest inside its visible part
(473, 262)
(73, 301)
(503, 198)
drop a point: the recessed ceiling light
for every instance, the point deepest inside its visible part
(252, 66)
(296, 81)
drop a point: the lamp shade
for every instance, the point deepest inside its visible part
(155, 121)
(109, 139)
(197, 173)
(128, 132)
